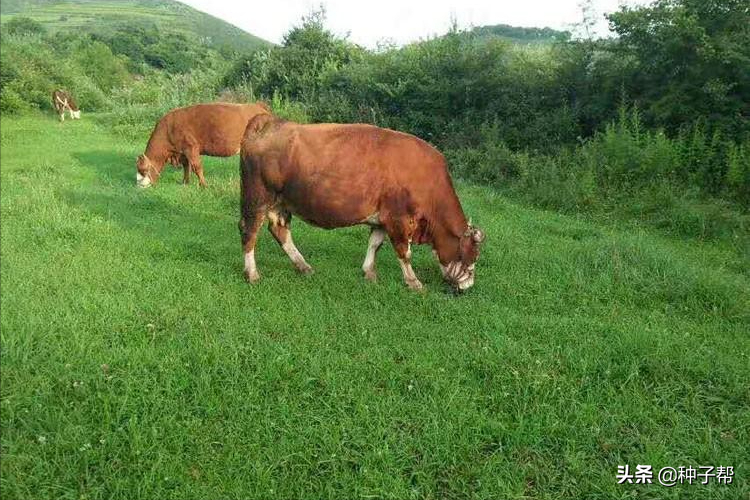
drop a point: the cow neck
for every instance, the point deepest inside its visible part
(157, 155)
(447, 235)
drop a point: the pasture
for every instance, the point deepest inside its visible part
(137, 363)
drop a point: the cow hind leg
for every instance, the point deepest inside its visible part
(195, 162)
(279, 223)
(185, 169)
(377, 236)
(249, 226)
(198, 169)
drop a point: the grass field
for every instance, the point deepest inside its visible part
(137, 363)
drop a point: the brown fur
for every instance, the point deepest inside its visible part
(334, 175)
(62, 102)
(184, 134)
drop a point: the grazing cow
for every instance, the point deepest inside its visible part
(184, 134)
(63, 101)
(334, 175)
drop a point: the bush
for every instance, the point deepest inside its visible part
(11, 101)
(33, 66)
(20, 25)
(142, 103)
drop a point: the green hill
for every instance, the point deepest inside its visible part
(100, 16)
(518, 34)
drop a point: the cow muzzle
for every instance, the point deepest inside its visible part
(143, 181)
(460, 276)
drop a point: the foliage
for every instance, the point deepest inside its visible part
(296, 67)
(142, 103)
(628, 171)
(33, 66)
(21, 25)
(690, 60)
(172, 52)
(519, 34)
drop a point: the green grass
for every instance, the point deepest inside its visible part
(104, 15)
(137, 363)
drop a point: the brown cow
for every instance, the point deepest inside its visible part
(63, 101)
(184, 134)
(335, 175)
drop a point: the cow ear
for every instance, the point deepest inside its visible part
(259, 123)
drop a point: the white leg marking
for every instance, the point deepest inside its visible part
(251, 271)
(409, 276)
(295, 255)
(376, 239)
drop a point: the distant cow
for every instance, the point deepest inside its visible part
(184, 134)
(63, 101)
(335, 175)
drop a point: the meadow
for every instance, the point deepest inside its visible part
(137, 363)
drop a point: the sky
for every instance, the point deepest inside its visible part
(402, 21)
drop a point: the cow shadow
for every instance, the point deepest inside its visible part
(116, 168)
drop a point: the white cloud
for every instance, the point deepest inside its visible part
(403, 21)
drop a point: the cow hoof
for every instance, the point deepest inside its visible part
(371, 276)
(415, 285)
(252, 277)
(306, 269)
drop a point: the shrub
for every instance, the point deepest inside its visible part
(20, 25)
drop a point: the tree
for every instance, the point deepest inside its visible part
(692, 61)
(296, 67)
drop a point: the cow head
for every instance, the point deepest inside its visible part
(76, 115)
(460, 272)
(146, 173)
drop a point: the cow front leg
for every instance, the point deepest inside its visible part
(377, 236)
(249, 226)
(400, 229)
(404, 259)
(279, 223)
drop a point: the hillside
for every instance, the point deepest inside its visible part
(518, 34)
(100, 16)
